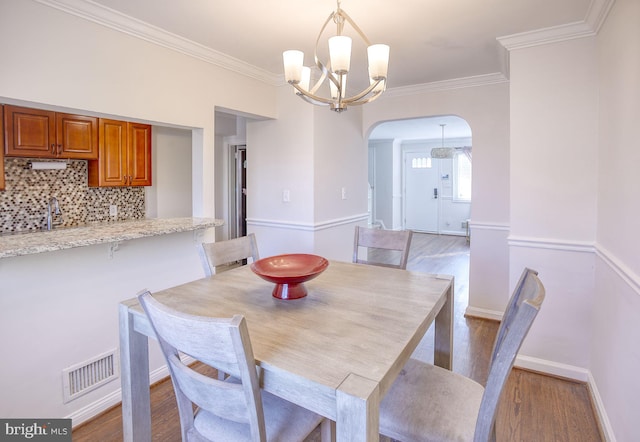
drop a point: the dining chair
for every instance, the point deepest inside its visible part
(219, 253)
(234, 409)
(429, 403)
(380, 240)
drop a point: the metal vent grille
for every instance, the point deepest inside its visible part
(89, 375)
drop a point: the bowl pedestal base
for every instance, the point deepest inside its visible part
(289, 291)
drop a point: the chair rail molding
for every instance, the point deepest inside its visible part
(487, 225)
(619, 268)
(552, 244)
(310, 227)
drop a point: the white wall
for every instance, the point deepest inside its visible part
(615, 354)
(553, 195)
(486, 108)
(170, 196)
(313, 153)
(61, 308)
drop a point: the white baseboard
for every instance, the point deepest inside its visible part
(114, 398)
(552, 368)
(95, 408)
(603, 418)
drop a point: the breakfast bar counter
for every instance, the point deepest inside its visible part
(29, 243)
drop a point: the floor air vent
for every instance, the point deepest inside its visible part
(89, 375)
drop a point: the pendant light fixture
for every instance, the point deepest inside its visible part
(336, 69)
(442, 152)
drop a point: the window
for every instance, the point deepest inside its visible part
(421, 163)
(461, 177)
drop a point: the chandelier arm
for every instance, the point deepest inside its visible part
(308, 95)
(368, 100)
(324, 69)
(355, 26)
(364, 93)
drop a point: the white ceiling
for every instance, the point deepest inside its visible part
(430, 40)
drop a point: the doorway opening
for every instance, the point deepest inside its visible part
(420, 174)
(238, 191)
(429, 193)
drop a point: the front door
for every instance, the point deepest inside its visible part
(421, 199)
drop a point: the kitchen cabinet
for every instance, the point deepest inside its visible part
(1, 149)
(124, 155)
(38, 133)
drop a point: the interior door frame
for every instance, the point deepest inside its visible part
(237, 190)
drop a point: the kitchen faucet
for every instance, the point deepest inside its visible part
(53, 205)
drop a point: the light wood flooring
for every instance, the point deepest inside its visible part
(534, 407)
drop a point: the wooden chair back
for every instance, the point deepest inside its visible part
(522, 309)
(380, 239)
(225, 252)
(515, 301)
(220, 343)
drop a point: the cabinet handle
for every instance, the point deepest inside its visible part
(59, 149)
(130, 180)
(53, 148)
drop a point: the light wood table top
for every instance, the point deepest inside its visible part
(336, 351)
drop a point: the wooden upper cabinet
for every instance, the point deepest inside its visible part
(1, 149)
(124, 157)
(29, 132)
(139, 154)
(109, 169)
(76, 136)
(45, 134)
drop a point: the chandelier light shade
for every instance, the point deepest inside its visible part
(335, 70)
(442, 152)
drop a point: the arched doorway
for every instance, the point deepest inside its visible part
(403, 173)
(420, 175)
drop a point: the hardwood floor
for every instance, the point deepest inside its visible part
(534, 407)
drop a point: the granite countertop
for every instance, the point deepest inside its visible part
(19, 244)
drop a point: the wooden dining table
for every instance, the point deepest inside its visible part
(336, 351)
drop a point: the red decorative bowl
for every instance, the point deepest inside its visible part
(289, 272)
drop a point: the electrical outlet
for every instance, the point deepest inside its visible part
(113, 210)
(286, 196)
(344, 193)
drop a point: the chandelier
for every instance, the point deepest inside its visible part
(335, 69)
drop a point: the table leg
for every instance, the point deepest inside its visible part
(134, 372)
(358, 410)
(443, 354)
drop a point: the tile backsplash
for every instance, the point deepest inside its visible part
(23, 203)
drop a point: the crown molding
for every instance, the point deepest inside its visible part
(110, 18)
(589, 27)
(444, 85)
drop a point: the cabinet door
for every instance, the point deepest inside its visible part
(109, 169)
(76, 136)
(1, 149)
(29, 132)
(139, 160)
